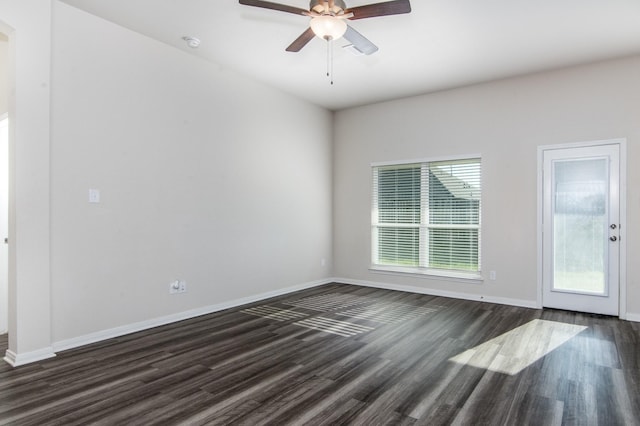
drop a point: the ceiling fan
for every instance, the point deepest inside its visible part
(328, 20)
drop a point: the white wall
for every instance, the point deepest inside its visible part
(505, 122)
(204, 176)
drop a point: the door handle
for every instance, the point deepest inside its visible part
(613, 226)
(613, 238)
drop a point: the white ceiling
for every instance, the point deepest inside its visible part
(440, 44)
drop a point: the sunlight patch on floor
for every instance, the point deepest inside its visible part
(512, 352)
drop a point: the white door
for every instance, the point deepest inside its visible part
(581, 225)
(4, 222)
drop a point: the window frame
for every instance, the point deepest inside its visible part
(424, 225)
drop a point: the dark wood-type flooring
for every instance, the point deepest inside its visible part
(341, 354)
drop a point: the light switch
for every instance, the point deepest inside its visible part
(94, 195)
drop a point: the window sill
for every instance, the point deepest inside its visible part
(467, 277)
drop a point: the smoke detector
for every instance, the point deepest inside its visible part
(192, 42)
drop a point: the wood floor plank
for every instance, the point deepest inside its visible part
(338, 413)
(343, 355)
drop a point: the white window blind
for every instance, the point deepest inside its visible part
(427, 215)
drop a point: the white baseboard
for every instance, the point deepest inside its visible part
(633, 317)
(145, 325)
(16, 360)
(433, 292)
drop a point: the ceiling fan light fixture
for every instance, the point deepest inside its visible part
(328, 27)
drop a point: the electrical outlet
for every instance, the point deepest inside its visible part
(177, 286)
(492, 275)
(94, 195)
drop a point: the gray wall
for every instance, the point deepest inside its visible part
(204, 176)
(505, 122)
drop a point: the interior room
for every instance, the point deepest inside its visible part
(250, 235)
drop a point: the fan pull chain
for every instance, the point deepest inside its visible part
(332, 62)
(330, 58)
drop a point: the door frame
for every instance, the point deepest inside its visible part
(4, 289)
(622, 143)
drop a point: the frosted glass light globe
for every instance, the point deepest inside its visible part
(328, 27)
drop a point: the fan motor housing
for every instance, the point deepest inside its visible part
(318, 6)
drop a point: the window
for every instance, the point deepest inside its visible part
(426, 217)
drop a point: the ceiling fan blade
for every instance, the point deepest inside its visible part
(360, 42)
(301, 41)
(275, 6)
(395, 7)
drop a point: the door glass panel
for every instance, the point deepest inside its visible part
(580, 226)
